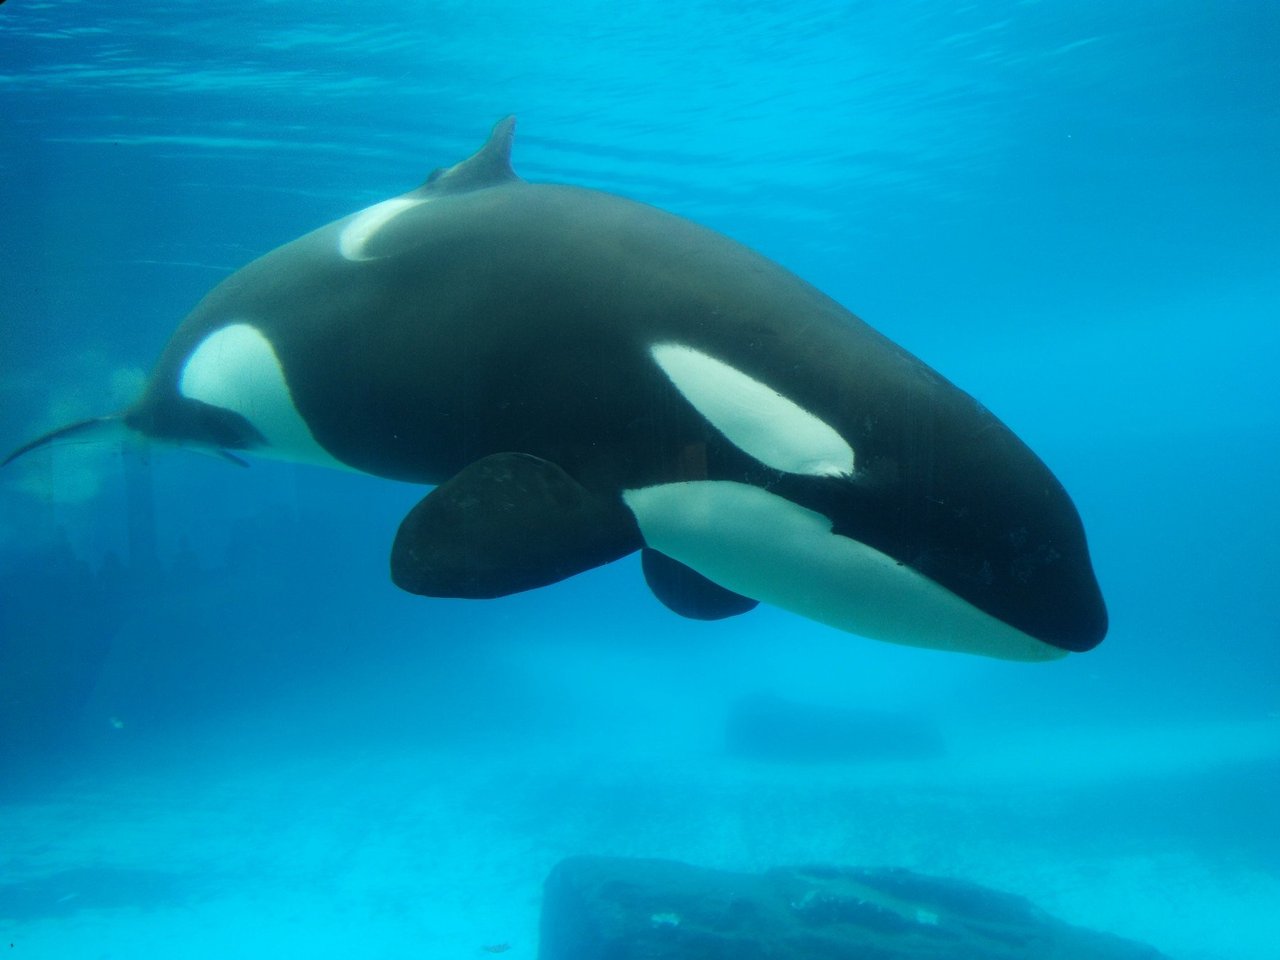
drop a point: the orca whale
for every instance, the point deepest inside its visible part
(579, 376)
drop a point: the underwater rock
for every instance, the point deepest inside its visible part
(603, 908)
(764, 727)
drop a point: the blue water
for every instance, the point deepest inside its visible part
(246, 742)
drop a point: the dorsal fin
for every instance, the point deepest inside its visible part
(487, 167)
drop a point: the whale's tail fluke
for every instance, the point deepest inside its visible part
(93, 430)
(111, 429)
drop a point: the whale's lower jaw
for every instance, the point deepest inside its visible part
(765, 547)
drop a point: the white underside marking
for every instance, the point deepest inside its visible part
(363, 226)
(755, 417)
(237, 369)
(766, 547)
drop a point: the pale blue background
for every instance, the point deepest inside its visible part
(1070, 209)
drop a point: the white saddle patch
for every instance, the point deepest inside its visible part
(755, 417)
(236, 368)
(364, 226)
(766, 547)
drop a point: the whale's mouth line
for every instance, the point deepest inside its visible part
(769, 548)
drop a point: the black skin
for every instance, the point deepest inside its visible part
(503, 316)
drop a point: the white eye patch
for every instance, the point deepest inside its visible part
(364, 226)
(755, 417)
(237, 369)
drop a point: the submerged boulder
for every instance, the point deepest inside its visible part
(600, 908)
